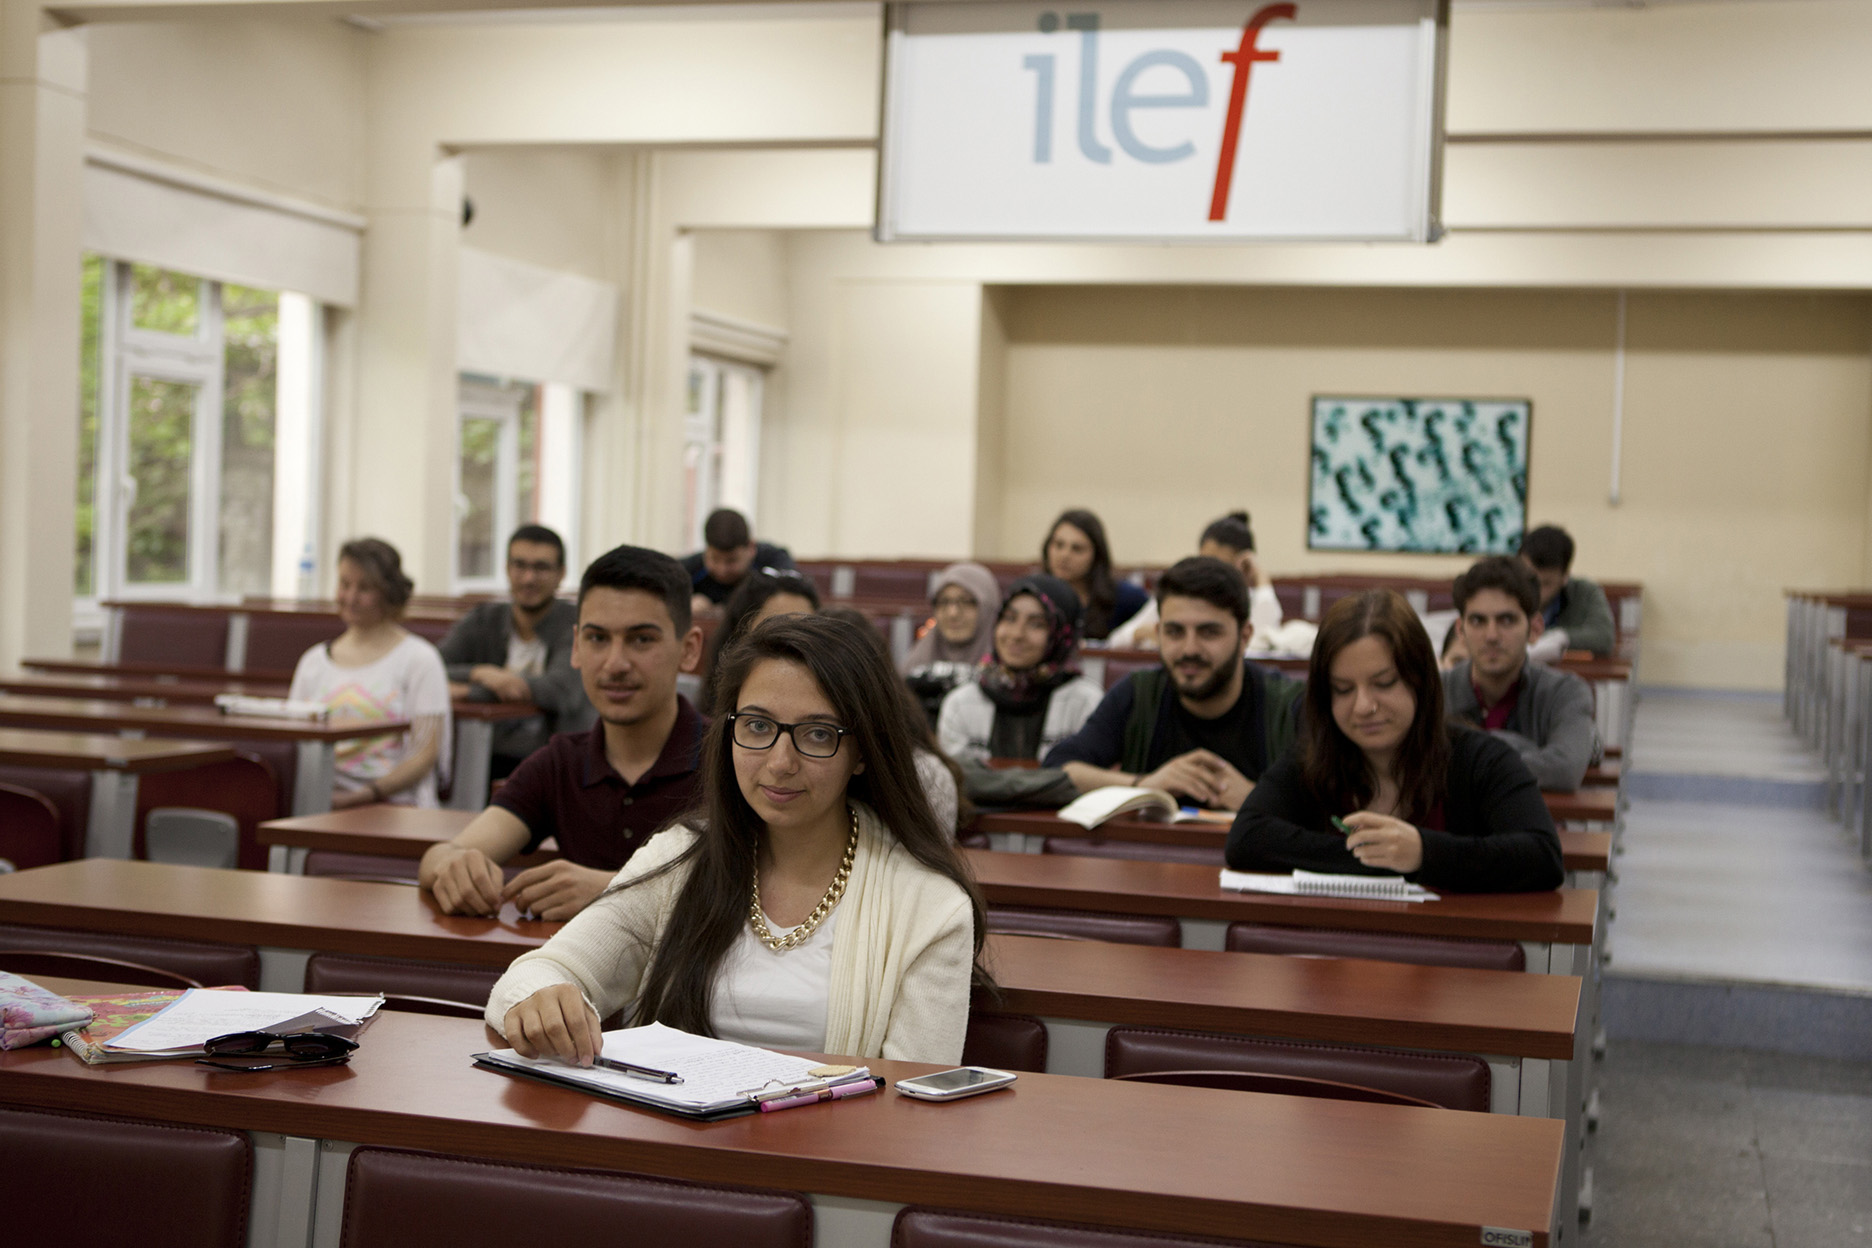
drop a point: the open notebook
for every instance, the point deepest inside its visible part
(720, 1079)
(1318, 884)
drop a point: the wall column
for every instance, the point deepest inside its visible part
(42, 128)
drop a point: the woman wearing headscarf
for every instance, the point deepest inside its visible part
(965, 599)
(1029, 693)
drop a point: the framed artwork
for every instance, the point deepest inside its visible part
(1427, 476)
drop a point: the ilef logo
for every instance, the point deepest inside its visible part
(1125, 96)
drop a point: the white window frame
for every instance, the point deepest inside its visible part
(726, 460)
(482, 398)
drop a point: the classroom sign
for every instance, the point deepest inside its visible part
(1163, 120)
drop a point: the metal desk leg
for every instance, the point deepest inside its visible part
(318, 772)
(474, 762)
(111, 830)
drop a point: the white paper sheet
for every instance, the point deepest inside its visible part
(1318, 884)
(198, 1015)
(715, 1072)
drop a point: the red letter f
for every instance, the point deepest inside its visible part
(1243, 59)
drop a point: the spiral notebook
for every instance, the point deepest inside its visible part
(1320, 884)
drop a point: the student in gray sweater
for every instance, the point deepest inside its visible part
(1546, 714)
(521, 650)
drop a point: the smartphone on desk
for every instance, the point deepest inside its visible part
(953, 1085)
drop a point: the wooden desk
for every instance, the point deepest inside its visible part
(315, 742)
(1180, 1160)
(1024, 831)
(1595, 806)
(474, 721)
(383, 830)
(114, 764)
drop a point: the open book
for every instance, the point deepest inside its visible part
(1318, 884)
(1103, 805)
(718, 1078)
(270, 708)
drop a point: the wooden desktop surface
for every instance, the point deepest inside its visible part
(1345, 1000)
(1184, 1160)
(71, 751)
(74, 715)
(1183, 890)
(1581, 851)
(1583, 805)
(1340, 1000)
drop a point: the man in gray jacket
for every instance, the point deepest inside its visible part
(1546, 714)
(521, 650)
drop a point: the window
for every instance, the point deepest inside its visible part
(180, 464)
(721, 440)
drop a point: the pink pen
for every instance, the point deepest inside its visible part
(838, 1093)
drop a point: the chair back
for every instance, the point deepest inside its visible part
(199, 961)
(117, 1180)
(276, 640)
(1322, 942)
(1123, 929)
(1453, 1081)
(1278, 1085)
(437, 983)
(178, 638)
(70, 794)
(940, 1228)
(207, 816)
(30, 962)
(1134, 851)
(31, 832)
(1005, 1041)
(399, 1199)
(336, 862)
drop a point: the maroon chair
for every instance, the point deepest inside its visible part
(1135, 851)
(940, 1228)
(240, 794)
(1449, 1080)
(398, 1199)
(1123, 663)
(200, 961)
(31, 832)
(332, 862)
(1121, 929)
(184, 638)
(30, 962)
(1279, 1085)
(117, 1180)
(68, 791)
(276, 640)
(419, 987)
(1005, 1041)
(1323, 942)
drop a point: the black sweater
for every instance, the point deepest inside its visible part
(1497, 837)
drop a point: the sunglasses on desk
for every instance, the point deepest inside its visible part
(248, 1051)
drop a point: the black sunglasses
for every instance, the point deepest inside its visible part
(310, 1048)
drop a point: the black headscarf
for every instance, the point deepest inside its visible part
(1023, 692)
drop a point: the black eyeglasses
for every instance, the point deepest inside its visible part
(310, 1048)
(757, 732)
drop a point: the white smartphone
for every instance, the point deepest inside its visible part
(953, 1085)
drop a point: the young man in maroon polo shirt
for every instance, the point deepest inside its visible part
(1545, 713)
(604, 792)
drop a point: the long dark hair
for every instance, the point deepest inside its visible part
(713, 904)
(1101, 585)
(749, 597)
(1336, 769)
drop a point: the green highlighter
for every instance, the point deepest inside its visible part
(1344, 829)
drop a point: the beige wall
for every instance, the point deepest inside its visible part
(552, 208)
(741, 274)
(1745, 454)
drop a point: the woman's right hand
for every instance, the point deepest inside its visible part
(554, 1022)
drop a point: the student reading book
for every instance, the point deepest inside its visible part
(816, 903)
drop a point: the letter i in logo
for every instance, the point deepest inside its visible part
(1243, 59)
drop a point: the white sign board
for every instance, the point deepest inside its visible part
(1171, 120)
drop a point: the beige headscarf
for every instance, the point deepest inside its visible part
(979, 583)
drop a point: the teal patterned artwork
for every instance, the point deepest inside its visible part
(1431, 476)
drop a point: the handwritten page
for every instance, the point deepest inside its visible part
(197, 1016)
(716, 1073)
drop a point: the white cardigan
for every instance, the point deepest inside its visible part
(967, 718)
(903, 950)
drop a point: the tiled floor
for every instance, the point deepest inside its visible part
(1723, 1148)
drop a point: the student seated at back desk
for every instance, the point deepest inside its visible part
(1447, 806)
(1205, 725)
(521, 650)
(1574, 609)
(1076, 551)
(965, 603)
(729, 552)
(1546, 714)
(602, 792)
(377, 669)
(1232, 541)
(758, 597)
(815, 904)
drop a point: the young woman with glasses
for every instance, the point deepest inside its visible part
(814, 903)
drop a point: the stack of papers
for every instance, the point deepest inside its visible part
(199, 1015)
(270, 708)
(720, 1078)
(1318, 884)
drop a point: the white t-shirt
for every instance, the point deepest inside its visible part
(408, 682)
(526, 657)
(775, 1000)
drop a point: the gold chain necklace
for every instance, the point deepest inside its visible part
(758, 920)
